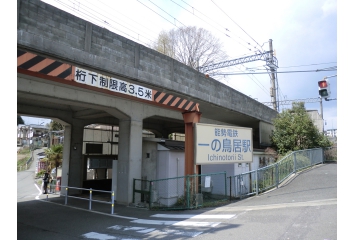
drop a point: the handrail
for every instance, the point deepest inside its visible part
(90, 199)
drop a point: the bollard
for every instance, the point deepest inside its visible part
(66, 197)
(112, 212)
(90, 199)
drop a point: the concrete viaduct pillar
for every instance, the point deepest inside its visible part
(129, 162)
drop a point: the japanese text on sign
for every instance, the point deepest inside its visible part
(113, 84)
(222, 144)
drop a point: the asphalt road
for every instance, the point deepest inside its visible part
(303, 208)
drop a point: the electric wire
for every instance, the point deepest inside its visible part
(238, 25)
(237, 73)
(99, 21)
(210, 24)
(130, 19)
(157, 13)
(167, 13)
(110, 20)
(214, 21)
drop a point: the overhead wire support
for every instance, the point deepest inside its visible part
(266, 56)
(289, 102)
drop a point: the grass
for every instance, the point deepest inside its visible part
(22, 157)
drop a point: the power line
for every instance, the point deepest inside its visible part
(92, 17)
(130, 19)
(238, 25)
(317, 70)
(308, 65)
(157, 13)
(167, 13)
(211, 24)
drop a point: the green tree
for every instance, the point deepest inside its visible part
(55, 126)
(294, 130)
(53, 156)
(20, 120)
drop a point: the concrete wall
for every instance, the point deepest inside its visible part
(149, 163)
(99, 136)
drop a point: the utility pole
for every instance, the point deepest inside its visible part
(273, 91)
(268, 57)
(322, 117)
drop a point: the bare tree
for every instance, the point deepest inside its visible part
(195, 47)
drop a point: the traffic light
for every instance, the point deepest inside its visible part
(324, 88)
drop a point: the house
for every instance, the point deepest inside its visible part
(317, 119)
(32, 135)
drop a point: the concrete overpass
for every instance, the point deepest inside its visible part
(55, 47)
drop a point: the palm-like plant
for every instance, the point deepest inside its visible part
(54, 157)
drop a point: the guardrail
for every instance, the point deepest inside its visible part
(90, 199)
(263, 179)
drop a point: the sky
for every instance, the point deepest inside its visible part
(303, 33)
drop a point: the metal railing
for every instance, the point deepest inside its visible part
(90, 199)
(263, 179)
(184, 192)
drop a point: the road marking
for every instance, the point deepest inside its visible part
(156, 231)
(192, 216)
(332, 201)
(99, 236)
(39, 190)
(176, 223)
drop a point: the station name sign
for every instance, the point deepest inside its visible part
(217, 144)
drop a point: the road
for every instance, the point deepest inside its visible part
(303, 208)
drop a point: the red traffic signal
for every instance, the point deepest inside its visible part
(324, 88)
(323, 84)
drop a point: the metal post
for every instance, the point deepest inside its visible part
(66, 196)
(241, 184)
(295, 163)
(322, 116)
(277, 176)
(90, 199)
(133, 191)
(188, 192)
(257, 182)
(112, 202)
(230, 188)
(225, 183)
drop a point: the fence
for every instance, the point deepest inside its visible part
(180, 193)
(25, 166)
(263, 179)
(90, 199)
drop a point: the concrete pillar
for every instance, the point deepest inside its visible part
(189, 119)
(129, 162)
(76, 159)
(66, 158)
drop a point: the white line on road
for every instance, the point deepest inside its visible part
(39, 190)
(154, 231)
(100, 236)
(176, 223)
(332, 201)
(193, 216)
